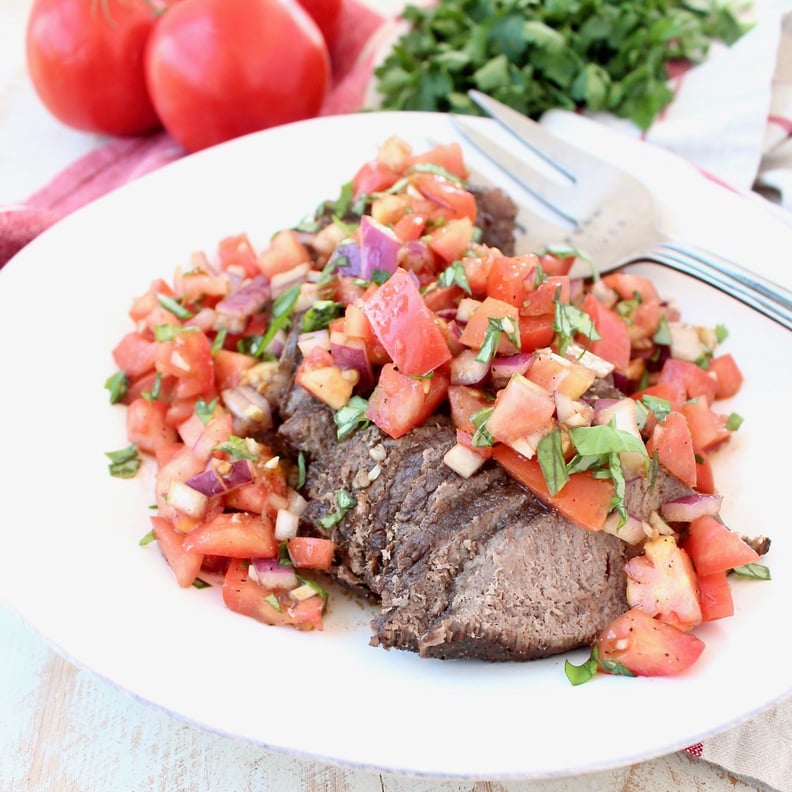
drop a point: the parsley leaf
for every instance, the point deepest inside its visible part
(608, 55)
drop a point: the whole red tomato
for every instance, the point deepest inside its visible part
(327, 15)
(85, 59)
(217, 69)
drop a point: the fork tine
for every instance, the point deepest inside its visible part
(555, 194)
(563, 157)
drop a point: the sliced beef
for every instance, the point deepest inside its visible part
(461, 567)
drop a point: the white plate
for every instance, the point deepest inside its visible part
(70, 532)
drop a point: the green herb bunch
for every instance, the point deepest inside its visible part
(534, 55)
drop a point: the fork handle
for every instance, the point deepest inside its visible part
(763, 295)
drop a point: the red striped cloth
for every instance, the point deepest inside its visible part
(121, 160)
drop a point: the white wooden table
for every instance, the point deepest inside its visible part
(65, 728)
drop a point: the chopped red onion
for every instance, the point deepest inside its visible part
(221, 477)
(283, 281)
(286, 525)
(248, 406)
(690, 507)
(186, 499)
(315, 338)
(247, 300)
(350, 354)
(347, 259)
(271, 574)
(462, 460)
(631, 531)
(506, 366)
(466, 370)
(379, 248)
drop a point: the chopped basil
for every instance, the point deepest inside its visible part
(721, 333)
(438, 170)
(344, 502)
(734, 422)
(204, 409)
(568, 321)
(578, 674)
(378, 277)
(200, 584)
(320, 314)
(300, 470)
(175, 307)
(454, 275)
(660, 407)
(663, 333)
(156, 389)
(481, 437)
(351, 417)
(497, 326)
(219, 340)
(550, 456)
(118, 385)
(271, 599)
(147, 539)
(606, 439)
(166, 332)
(755, 571)
(314, 586)
(236, 448)
(125, 462)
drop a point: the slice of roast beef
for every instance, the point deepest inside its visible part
(474, 567)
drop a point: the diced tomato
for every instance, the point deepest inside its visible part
(405, 327)
(715, 596)
(673, 443)
(246, 597)
(234, 535)
(450, 240)
(284, 252)
(536, 332)
(185, 564)
(311, 552)
(410, 227)
(541, 300)
(614, 341)
(229, 366)
(318, 374)
(705, 478)
(522, 410)
(267, 493)
(555, 373)
(148, 383)
(456, 201)
(662, 583)
(707, 428)
(476, 329)
(629, 286)
(648, 647)
(188, 357)
(714, 548)
(373, 177)
(671, 392)
(134, 354)
(146, 425)
(143, 305)
(510, 278)
(583, 499)
(727, 375)
(399, 402)
(644, 321)
(204, 437)
(477, 264)
(556, 265)
(236, 253)
(448, 156)
(694, 379)
(464, 401)
(465, 438)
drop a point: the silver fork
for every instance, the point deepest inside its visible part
(612, 215)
